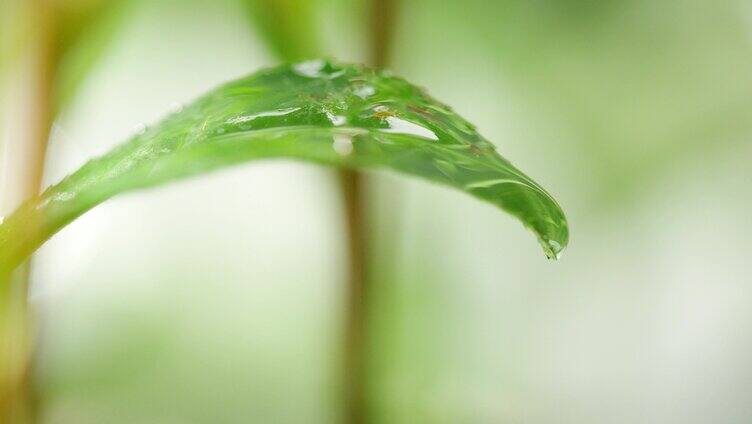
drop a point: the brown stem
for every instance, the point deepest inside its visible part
(354, 191)
(356, 299)
(383, 15)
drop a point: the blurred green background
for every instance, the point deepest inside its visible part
(220, 299)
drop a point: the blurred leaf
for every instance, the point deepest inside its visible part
(81, 30)
(288, 27)
(14, 32)
(628, 86)
(85, 29)
(339, 115)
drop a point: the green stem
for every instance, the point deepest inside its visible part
(15, 352)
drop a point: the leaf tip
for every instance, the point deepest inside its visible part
(553, 248)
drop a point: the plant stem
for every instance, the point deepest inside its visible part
(16, 329)
(15, 353)
(382, 17)
(42, 114)
(356, 298)
(354, 192)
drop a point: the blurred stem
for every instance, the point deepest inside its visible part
(382, 17)
(15, 399)
(354, 190)
(43, 103)
(16, 330)
(354, 383)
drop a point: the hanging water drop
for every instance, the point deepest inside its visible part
(336, 120)
(176, 107)
(139, 128)
(343, 144)
(364, 91)
(310, 69)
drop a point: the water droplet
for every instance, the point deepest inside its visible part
(337, 74)
(176, 107)
(139, 128)
(447, 168)
(364, 91)
(551, 248)
(220, 130)
(343, 144)
(336, 120)
(494, 182)
(247, 118)
(62, 196)
(401, 126)
(310, 68)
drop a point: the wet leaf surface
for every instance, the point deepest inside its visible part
(316, 111)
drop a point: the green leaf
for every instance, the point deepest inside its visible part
(317, 111)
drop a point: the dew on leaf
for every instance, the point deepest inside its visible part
(276, 113)
(447, 168)
(401, 126)
(364, 91)
(336, 120)
(310, 68)
(272, 113)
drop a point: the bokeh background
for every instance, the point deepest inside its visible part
(220, 299)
